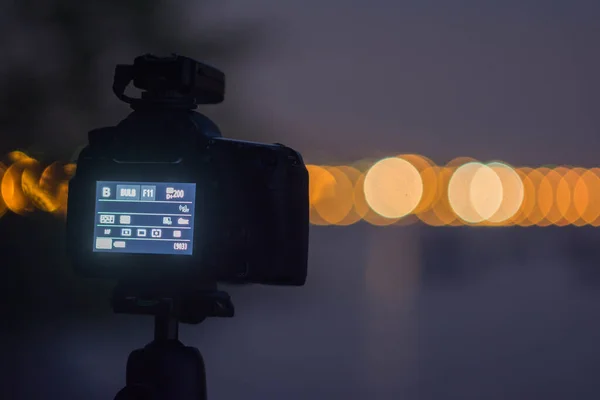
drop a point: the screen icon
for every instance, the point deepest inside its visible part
(119, 244)
(103, 243)
(148, 193)
(107, 219)
(141, 232)
(105, 192)
(156, 233)
(128, 192)
(173, 193)
(176, 234)
(125, 232)
(183, 221)
(167, 221)
(124, 219)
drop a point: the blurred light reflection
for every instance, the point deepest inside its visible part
(397, 190)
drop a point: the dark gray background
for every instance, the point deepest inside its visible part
(393, 313)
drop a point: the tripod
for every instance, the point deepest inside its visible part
(166, 369)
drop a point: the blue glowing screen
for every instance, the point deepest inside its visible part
(144, 217)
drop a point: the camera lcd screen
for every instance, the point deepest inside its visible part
(144, 217)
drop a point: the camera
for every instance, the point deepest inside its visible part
(162, 197)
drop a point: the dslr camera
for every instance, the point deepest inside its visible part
(162, 199)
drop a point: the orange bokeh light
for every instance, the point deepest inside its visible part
(572, 196)
(353, 176)
(441, 208)
(532, 214)
(513, 194)
(396, 190)
(393, 187)
(11, 186)
(336, 201)
(587, 196)
(521, 217)
(364, 210)
(320, 182)
(3, 207)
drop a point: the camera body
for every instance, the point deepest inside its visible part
(162, 197)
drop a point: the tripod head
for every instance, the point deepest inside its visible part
(188, 305)
(165, 368)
